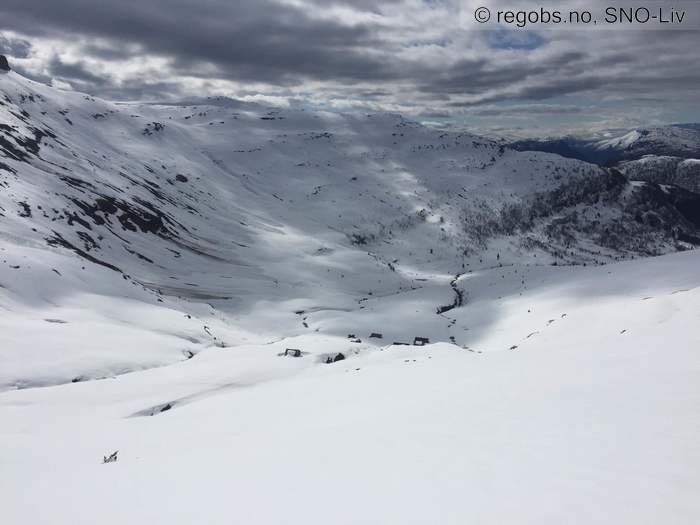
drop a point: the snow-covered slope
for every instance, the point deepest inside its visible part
(592, 417)
(221, 223)
(681, 140)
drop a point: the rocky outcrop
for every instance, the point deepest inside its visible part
(676, 171)
(4, 64)
(581, 217)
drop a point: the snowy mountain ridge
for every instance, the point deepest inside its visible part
(610, 148)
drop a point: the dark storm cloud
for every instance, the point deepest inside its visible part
(253, 40)
(15, 47)
(476, 75)
(535, 109)
(403, 55)
(145, 90)
(256, 41)
(362, 5)
(559, 87)
(76, 72)
(110, 52)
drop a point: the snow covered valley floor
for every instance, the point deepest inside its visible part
(577, 400)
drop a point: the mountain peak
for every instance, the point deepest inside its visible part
(4, 65)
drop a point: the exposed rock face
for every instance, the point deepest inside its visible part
(4, 65)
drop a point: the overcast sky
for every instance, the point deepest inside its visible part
(427, 59)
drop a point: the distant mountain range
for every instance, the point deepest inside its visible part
(678, 140)
(664, 155)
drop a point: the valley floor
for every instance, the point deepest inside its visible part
(593, 418)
